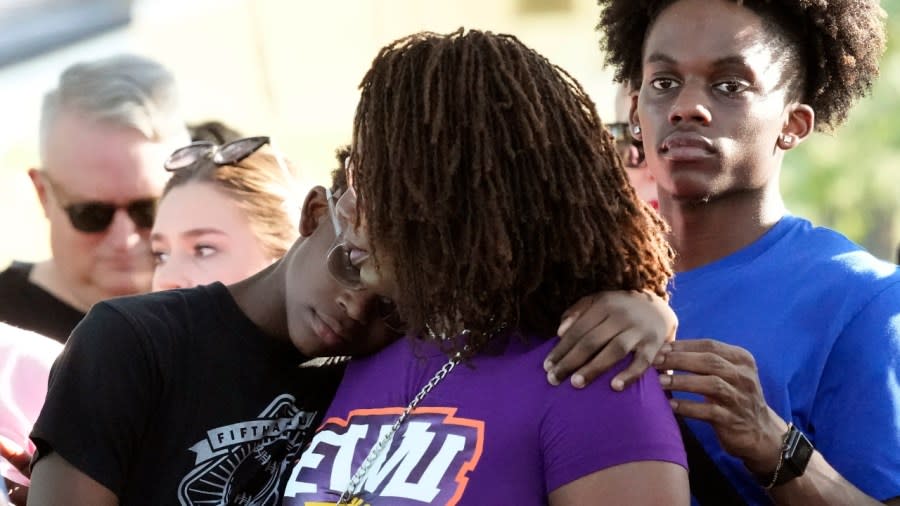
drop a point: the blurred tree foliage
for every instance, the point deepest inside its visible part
(850, 180)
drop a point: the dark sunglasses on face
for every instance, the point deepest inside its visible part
(338, 258)
(96, 216)
(227, 154)
(624, 139)
(342, 270)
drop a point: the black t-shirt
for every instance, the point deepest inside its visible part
(177, 397)
(28, 306)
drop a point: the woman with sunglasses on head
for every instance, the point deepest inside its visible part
(485, 199)
(195, 395)
(225, 219)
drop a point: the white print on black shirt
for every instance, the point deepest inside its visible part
(243, 463)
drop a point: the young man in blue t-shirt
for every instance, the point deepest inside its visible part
(789, 338)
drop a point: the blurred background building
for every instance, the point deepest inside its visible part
(290, 69)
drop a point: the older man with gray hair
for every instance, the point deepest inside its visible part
(105, 132)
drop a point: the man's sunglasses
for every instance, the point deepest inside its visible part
(227, 154)
(624, 139)
(96, 216)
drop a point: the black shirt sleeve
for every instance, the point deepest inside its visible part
(103, 390)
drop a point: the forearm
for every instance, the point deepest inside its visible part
(635, 483)
(821, 484)
(55, 481)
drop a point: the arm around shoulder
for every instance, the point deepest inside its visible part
(55, 481)
(647, 483)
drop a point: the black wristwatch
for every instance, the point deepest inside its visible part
(796, 451)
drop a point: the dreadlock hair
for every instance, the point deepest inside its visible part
(487, 179)
(831, 47)
(259, 187)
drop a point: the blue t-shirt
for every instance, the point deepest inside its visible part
(493, 432)
(822, 319)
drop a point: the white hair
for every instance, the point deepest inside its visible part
(125, 90)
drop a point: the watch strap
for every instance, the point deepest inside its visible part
(796, 451)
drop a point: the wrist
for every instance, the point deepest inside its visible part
(768, 479)
(795, 453)
(768, 448)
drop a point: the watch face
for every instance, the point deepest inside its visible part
(799, 451)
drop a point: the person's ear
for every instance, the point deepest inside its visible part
(40, 187)
(635, 121)
(801, 120)
(315, 208)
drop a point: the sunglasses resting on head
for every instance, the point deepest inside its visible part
(230, 153)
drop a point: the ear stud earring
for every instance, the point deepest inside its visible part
(787, 139)
(636, 129)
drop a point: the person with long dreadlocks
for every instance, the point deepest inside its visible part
(197, 395)
(789, 357)
(489, 199)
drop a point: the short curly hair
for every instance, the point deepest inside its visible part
(485, 173)
(837, 46)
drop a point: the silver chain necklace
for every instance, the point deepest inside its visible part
(356, 480)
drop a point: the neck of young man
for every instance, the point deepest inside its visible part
(706, 230)
(262, 299)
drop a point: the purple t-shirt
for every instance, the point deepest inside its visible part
(492, 432)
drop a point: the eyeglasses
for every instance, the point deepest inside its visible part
(96, 216)
(345, 273)
(227, 154)
(338, 258)
(624, 139)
